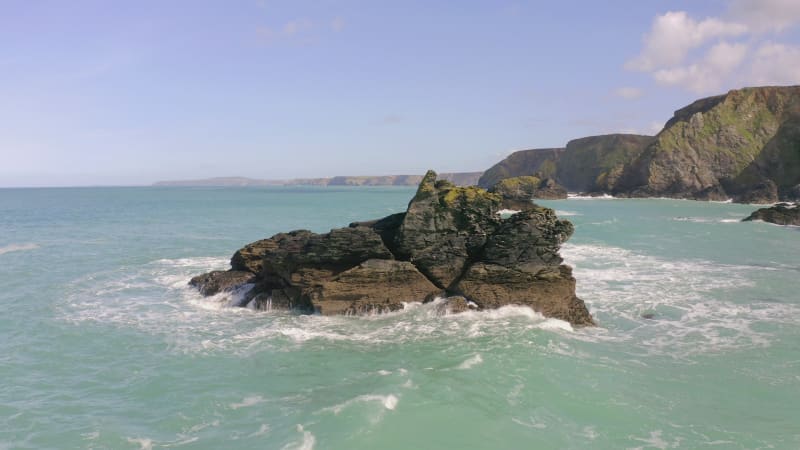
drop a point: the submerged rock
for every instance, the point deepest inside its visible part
(450, 241)
(780, 214)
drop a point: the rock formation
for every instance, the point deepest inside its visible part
(743, 145)
(516, 193)
(449, 242)
(780, 214)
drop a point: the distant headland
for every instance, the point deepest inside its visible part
(457, 178)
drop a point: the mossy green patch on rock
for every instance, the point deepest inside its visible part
(523, 187)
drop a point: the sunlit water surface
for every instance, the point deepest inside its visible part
(103, 345)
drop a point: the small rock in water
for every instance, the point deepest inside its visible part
(648, 315)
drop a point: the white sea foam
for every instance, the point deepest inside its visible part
(247, 401)
(18, 248)
(262, 430)
(144, 443)
(307, 443)
(618, 285)
(656, 441)
(556, 324)
(567, 213)
(529, 423)
(589, 197)
(387, 401)
(688, 300)
(90, 436)
(471, 362)
(705, 220)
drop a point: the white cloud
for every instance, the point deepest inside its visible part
(712, 54)
(708, 73)
(775, 64)
(766, 15)
(674, 34)
(629, 93)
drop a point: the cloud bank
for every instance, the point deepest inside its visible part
(742, 47)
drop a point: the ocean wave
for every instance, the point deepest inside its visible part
(705, 220)
(589, 197)
(471, 362)
(677, 308)
(155, 298)
(18, 248)
(306, 443)
(387, 401)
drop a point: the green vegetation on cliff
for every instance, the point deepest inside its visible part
(723, 146)
(743, 145)
(537, 162)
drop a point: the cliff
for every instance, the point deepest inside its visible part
(743, 145)
(451, 241)
(537, 162)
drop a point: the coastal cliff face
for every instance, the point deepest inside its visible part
(595, 163)
(743, 145)
(451, 241)
(587, 164)
(538, 162)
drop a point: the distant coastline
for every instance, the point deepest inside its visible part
(458, 178)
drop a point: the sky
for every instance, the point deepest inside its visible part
(129, 93)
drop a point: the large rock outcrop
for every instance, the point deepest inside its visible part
(450, 241)
(780, 214)
(516, 193)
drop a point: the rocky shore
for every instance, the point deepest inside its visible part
(780, 214)
(451, 242)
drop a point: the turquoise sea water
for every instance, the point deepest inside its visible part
(103, 346)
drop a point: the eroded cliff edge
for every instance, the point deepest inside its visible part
(451, 241)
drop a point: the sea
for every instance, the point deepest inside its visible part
(104, 346)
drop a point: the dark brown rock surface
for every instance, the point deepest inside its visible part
(780, 214)
(450, 241)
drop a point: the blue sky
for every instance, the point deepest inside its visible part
(97, 92)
